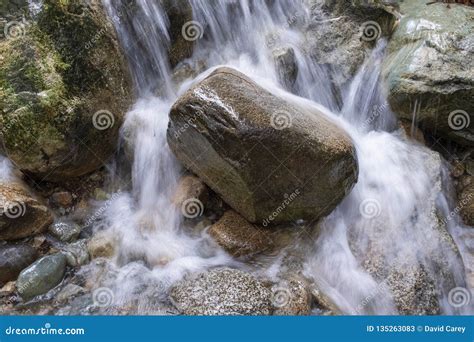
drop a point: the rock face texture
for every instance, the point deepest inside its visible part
(270, 160)
(341, 31)
(429, 69)
(13, 259)
(63, 91)
(222, 291)
(239, 237)
(21, 214)
(41, 276)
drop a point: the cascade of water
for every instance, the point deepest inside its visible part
(398, 179)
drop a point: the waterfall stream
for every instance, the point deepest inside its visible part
(395, 207)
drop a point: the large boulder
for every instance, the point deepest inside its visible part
(271, 160)
(21, 214)
(428, 69)
(64, 89)
(220, 292)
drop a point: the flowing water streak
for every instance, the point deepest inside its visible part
(398, 183)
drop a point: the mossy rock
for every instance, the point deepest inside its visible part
(53, 80)
(428, 70)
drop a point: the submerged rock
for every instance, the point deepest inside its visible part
(64, 90)
(239, 237)
(428, 69)
(222, 291)
(21, 214)
(427, 265)
(270, 160)
(13, 259)
(41, 276)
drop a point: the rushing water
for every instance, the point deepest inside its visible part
(400, 181)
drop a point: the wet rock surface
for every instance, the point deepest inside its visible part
(41, 276)
(222, 292)
(239, 237)
(428, 70)
(226, 129)
(64, 91)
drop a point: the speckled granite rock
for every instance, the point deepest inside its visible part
(222, 291)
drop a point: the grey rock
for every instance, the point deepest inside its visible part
(66, 231)
(13, 259)
(286, 66)
(41, 276)
(76, 253)
(69, 292)
(222, 291)
(429, 64)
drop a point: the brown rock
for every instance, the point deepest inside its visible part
(190, 187)
(239, 237)
(22, 215)
(62, 199)
(291, 297)
(102, 245)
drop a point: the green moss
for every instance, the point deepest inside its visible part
(31, 93)
(71, 31)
